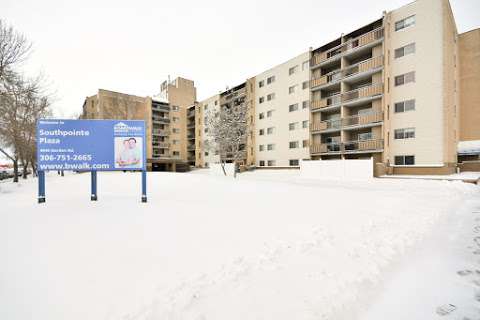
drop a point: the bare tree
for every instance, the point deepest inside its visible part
(228, 132)
(14, 49)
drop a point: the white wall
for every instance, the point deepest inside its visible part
(281, 116)
(337, 169)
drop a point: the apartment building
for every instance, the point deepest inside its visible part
(281, 128)
(191, 145)
(205, 154)
(390, 90)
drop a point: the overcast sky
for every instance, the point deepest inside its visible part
(132, 46)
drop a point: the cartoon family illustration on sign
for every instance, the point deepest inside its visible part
(128, 154)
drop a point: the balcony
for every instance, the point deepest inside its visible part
(359, 146)
(347, 47)
(327, 125)
(362, 93)
(191, 125)
(326, 102)
(191, 147)
(159, 107)
(161, 145)
(161, 120)
(191, 113)
(362, 120)
(159, 132)
(191, 136)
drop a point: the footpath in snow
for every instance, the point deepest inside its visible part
(266, 246)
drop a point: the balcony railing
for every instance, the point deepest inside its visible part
(161, 108)
(347, 147)
(191, 147)
(159, 132)
(362, 119)
(161, 119)
(349, 45)
(191, 113)
(363, 66)
(326, 125)
(162, 145)
(364, 92)
(326, 102)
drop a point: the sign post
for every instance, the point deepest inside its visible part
(90, 145)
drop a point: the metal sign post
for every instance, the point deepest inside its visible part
(41, 186)
(144, 186)
(93, 194)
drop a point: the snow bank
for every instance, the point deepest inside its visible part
(469, 147)
(216, 169)
(263, 246)
(337, 169)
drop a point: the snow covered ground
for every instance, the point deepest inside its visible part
(269, 245)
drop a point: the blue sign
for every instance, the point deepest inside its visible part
(91, 145)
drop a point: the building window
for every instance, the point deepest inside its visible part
(293, 107)
(293, 144)
(205, 130)
(407, 133)
(175, 119)
(261, 99)
(403, 51)
(404, 160)
(175, 108)
(261, 132)
(261, 147)
(261, 116)
(175, 130)
(305, 65)
(261, 84)
(176, 153)
(292, 89)
(269, 113)
(206, 153)
(293, 162)
(292, 126)
(271, 96)
(365, 136)
(404, 78)
(270, 130)
(270, 79)
(292, 70)
(305, 85)
(175, 141)
(305, 124)
(305, 143)
(404, 106)
(405, 23)
(262, 163)
(271, 163)
(305, 104)
(216, 102)
(270, 147)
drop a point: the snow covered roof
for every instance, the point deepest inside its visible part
(469, 147)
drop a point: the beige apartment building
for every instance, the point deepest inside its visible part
(391, 90)
(166, 116)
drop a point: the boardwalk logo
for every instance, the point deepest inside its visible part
(122, 128)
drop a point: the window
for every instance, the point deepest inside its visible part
(175, 108)
(216, 102)
(293, 144)
(175, 130)
(405, 23)
(261, 147)
(407, 133)
(404, 160)
(270, 79)
(270, 130)
(292, 70)
(269, 113)
(305, 143)
(292, 126)
(403, 51)
(404, 106)
(271, 163)
(262, 163)
(271, 96)
(305, 124)
(206, 153)
(176, 153)
(293, 107)
(404, 78)
(270, 147)
(365, 136)
(261, 84)
(175, 141)
(261, 115)
(305, 85)
(261, 132)
(175, 119)
(305, 65)
(205, 130)
(293, 162)
(205, 107)
(261, 99)
(292, 89)
(305, 104)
